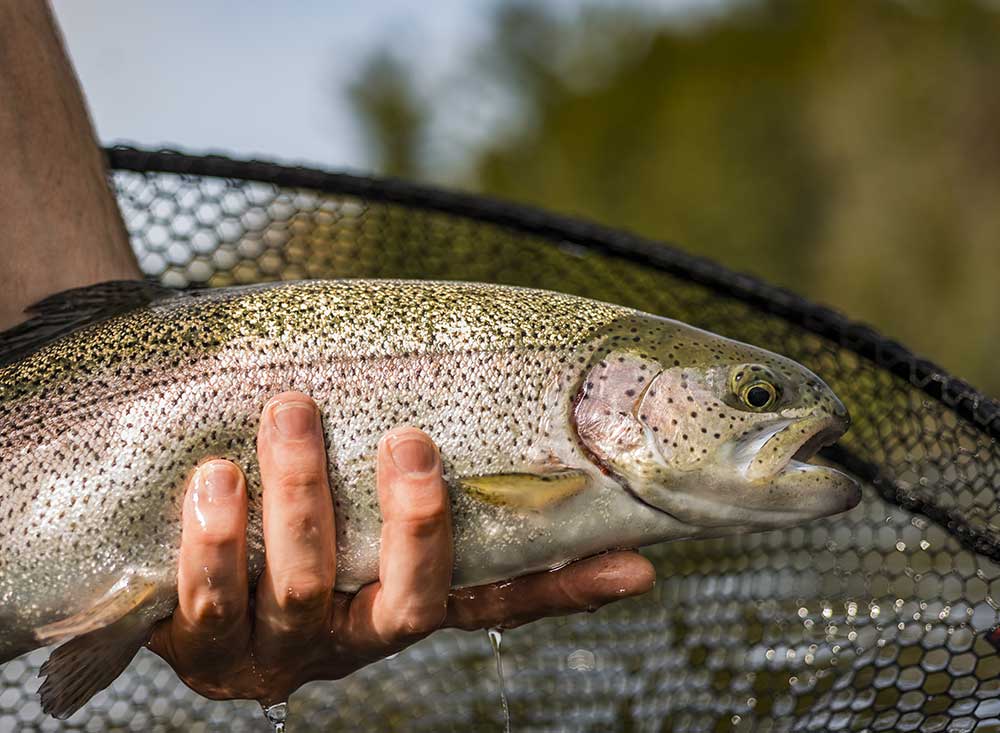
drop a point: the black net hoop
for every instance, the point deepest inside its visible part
(874, 620)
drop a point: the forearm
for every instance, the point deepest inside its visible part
(60, 224)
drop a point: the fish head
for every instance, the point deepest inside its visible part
(714, 432)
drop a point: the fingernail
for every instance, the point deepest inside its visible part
(412, 455)
(294, 420)
(219, 479)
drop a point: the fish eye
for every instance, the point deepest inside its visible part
(759, 395)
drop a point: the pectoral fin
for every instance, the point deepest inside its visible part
(104, 640)
(526, 490)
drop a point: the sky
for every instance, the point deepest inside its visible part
(266, 80)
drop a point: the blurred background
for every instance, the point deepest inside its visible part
(846, 149)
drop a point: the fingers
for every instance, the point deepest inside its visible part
(295, 590)
(211, 618)
(415, 559)
(582, 586)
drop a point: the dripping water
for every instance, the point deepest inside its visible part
(496, 637)
(276, 715)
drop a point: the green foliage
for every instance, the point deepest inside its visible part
(847, 149)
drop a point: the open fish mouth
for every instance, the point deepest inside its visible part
(824, 437)
(794, 444)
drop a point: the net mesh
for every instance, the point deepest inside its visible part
(874, 620)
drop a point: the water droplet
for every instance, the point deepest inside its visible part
(276, 715)
(924, 544)
(496, 638)
(581, 660)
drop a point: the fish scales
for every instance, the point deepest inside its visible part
(522, 390)
(87, 497)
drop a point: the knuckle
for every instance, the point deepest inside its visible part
(305, 594)
(215, 609)
(223, 538)
(425, 527)
(419, 621)
(301, 482)
(423, 511)
(303, 528)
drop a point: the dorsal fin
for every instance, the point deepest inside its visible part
(70, 310)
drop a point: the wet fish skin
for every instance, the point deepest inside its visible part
(101, 428)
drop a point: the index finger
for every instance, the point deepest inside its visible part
(211, 624)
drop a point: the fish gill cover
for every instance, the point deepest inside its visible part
(874, 620)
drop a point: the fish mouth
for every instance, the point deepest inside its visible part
(821, 439)
(792, 444)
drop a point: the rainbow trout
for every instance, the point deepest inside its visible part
(566, 427)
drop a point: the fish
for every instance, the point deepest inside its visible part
(566, 427)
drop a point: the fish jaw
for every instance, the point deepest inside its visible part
(762, 481)
(815, 490)
(782, 469)
(772, 449)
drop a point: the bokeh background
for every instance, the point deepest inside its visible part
(847, 149)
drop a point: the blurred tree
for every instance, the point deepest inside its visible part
(849, 150)
(393, 113)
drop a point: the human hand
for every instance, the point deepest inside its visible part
(297, 629)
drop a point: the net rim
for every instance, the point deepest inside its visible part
(859, 338)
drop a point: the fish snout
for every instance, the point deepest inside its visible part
(840, 413)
